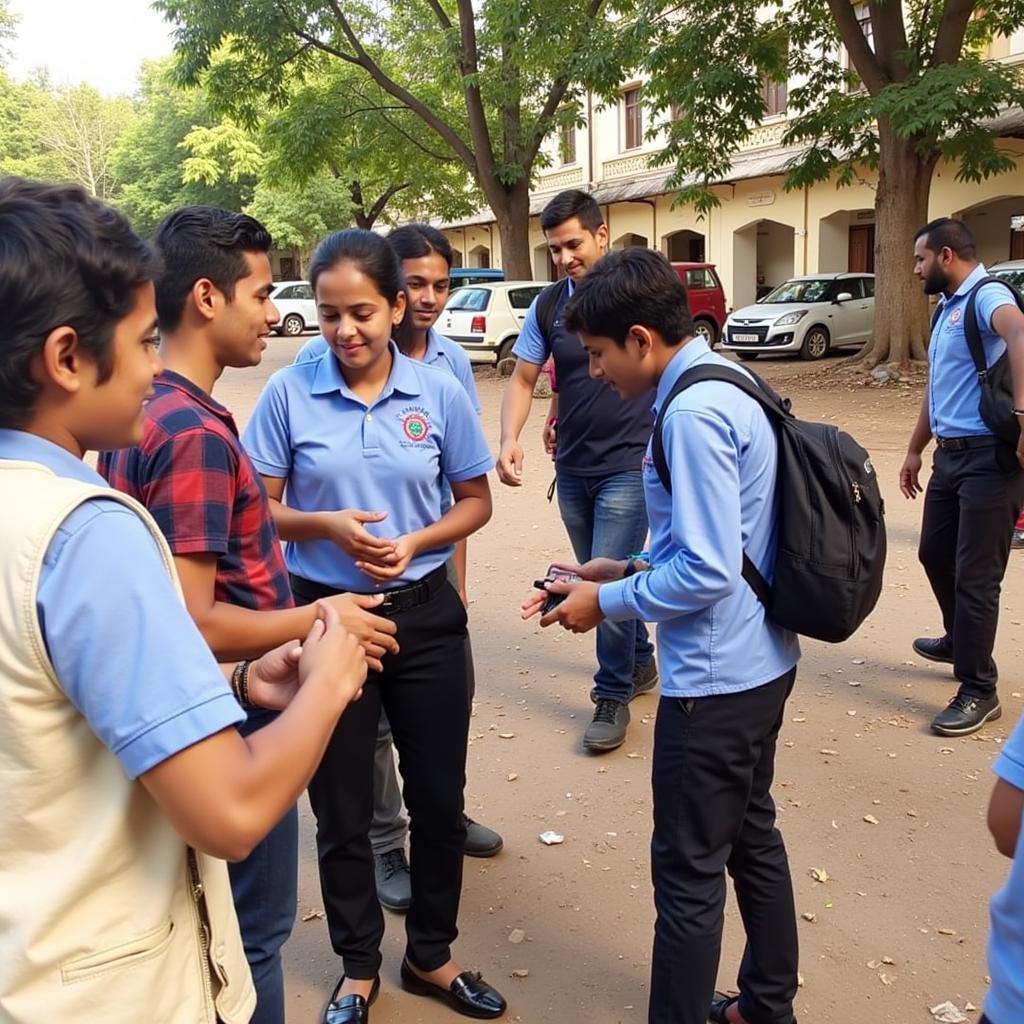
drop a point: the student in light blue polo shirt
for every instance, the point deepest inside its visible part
(1004, 1003)
(726, 670)
(354, 448)
(426, 256)
(977, 484)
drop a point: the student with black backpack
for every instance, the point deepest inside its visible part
(727, 668)
(972, 407)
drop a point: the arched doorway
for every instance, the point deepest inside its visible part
(990, 222)
(544, 268)
(846, 242)
(479, 256)
(629, 241)
(685, 246)
(456, 257)
(762, 254)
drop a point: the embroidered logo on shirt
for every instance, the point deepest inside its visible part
(954, 317)
(415, 423)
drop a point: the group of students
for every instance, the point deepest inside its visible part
(170, 682)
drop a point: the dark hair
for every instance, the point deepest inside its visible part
(412, 241)
(66, 259)
(198, 242)
(947, 233)
(628, 288)
(368, 251)
(569, 204)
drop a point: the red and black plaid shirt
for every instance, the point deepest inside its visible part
(194, 476)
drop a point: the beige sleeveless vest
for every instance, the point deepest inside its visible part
(106, 916)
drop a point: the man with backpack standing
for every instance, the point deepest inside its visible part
(600, 447)
(977, 484)
(727, 668)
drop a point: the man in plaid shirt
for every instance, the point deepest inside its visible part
(191, 472)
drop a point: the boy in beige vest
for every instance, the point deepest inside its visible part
(122, 777)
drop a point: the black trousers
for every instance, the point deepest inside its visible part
(970, 508)
(425, 692)
(714, 760)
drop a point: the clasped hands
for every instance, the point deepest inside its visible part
(581, 610)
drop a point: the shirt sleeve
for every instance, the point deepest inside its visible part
(189, 488)
(313, 349)
(990, 298)
(267, 438)
(464, 373)
(125, 651)
(706, 529)
(464, 453)
(1009, 766)
(531, 345)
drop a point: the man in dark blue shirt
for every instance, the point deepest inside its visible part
(601, 445)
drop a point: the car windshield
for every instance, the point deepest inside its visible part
(474, 299)
(799, 291)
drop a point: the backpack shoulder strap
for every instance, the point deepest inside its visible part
(777, 410)
(547, 305)
(972, 329)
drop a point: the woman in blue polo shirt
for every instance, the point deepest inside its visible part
(362, 438)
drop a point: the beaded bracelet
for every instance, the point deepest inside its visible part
(240, 682)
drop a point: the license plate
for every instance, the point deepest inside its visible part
(746, 337)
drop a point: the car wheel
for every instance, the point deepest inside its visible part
(705, 329)
(747, 356)
(816, 344)
(292, 325)
(506, 360)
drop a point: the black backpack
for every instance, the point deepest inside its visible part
(996, 404)
(831, 528)
(547, 305)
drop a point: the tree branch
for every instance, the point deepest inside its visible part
(469, 65)
(861, 55)
(956, 14)
(382, 201)
(890, 35)
(442, 15)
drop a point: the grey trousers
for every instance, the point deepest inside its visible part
(390, 826)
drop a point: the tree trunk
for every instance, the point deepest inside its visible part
(901, 207)
(511, 208)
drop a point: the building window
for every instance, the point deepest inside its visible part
(634, 120)
(567, 144)
(774, 95)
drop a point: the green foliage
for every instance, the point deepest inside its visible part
(8, 21)
(299, 219)
(925, 89)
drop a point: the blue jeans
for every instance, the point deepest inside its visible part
(265, 891)
(606, 516)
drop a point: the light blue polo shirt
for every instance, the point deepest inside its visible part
(713, 636)
(1004, 1003)
(953, 388)
(123, 646)
(391, 456)
(442, 353)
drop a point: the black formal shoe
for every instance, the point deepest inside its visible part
(468, 994)
(394, 882)
(966, 714)
(719, 1005)
(351, 1009)
(939, 648)
(481, 841)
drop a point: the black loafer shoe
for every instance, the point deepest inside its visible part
(468, 994)
(939, 648)
(719, 1005)
(966, 714)
(351, 1009)
(481, 841)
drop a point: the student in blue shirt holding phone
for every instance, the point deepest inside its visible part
(362, 439)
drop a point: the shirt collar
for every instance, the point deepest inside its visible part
(967, 283)
(179, 383)
(22, 446)
(679, 364)
(328, 378)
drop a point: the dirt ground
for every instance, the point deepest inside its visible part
(894, 816)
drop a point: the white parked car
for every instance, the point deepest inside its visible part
(485, 319)
(1012, 271)
(807, 315)
(297, 305)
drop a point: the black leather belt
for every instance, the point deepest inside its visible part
(961, 444)
(400, 599)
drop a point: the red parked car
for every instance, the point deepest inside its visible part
(706, 297)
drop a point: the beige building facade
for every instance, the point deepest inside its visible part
(760, 234)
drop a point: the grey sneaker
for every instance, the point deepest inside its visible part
(481, 841)
(645, 678)
(394, 889)
(607, 730)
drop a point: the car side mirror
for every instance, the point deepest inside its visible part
(843, 297)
